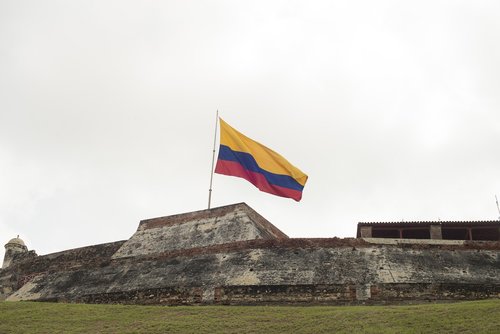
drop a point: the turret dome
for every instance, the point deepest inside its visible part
(12, 248)
(17, 241)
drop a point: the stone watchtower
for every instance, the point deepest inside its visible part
(12, 248)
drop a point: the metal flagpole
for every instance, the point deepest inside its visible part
(213, 160)
(498, 208)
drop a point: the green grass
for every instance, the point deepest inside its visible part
(463, 317)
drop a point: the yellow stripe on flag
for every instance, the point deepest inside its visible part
(266, 158)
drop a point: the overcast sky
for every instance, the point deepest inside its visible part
(107, 112)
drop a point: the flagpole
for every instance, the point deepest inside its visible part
(213, 159)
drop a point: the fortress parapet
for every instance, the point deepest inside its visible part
(232, 255)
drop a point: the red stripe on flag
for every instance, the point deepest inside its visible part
(232, 168)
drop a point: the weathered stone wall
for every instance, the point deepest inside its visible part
(27, 266)
(198, 229)
(328, 271)
(232, 255)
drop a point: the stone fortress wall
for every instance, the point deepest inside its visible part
(232, 255)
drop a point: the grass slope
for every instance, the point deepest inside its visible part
(463, 317)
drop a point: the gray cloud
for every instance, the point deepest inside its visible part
(107, 111)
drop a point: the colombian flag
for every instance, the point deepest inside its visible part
(267, 170)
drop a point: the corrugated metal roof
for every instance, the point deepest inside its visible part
(442, 222)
